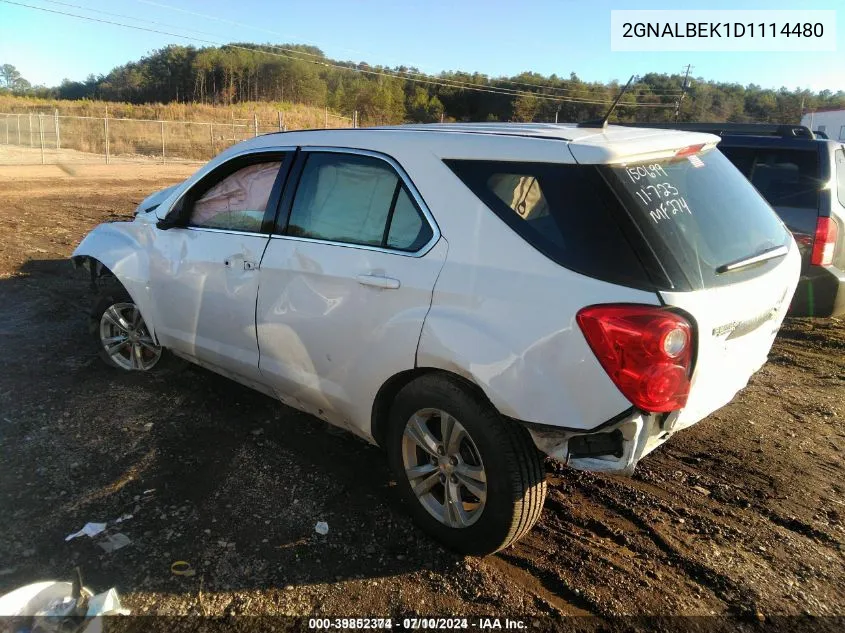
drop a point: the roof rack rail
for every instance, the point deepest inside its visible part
(747, 129)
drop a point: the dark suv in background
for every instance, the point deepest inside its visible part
(803, 178)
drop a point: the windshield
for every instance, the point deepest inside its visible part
(699, 213)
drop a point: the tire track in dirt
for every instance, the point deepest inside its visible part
(740, 598)
(741, 502)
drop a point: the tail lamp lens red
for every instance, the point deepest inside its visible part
(824, 242)
(646, 351)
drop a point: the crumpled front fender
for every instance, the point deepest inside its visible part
(121, 247)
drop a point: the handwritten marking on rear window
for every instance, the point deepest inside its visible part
(646, 171)
(665, 210)
(656, 191)
(660, 197)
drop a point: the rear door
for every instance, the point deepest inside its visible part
(346, 282)
(732, 263)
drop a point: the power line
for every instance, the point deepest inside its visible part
(418, 74)
(446, 83)
(680, 98)
(127, 17)
(292, 54)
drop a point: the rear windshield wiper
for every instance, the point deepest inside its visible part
(771, 253)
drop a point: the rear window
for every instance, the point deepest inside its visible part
(785, 177)
(698, 213)
(566, 212)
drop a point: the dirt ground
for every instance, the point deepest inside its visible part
(16, 155)
(741, 514)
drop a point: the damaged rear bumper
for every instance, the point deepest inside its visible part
(616, 447)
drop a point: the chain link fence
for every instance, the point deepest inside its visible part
(34, 138)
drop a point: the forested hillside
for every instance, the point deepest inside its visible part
(239, 73)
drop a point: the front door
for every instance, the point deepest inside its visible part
(204, 270)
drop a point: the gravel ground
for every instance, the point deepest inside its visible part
(741, 514)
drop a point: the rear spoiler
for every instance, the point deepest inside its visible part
(744, 129)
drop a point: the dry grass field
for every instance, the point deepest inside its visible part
(742, 514)
(135, 132)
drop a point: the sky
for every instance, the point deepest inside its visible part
(495, 37)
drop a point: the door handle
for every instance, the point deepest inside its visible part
(387, 283)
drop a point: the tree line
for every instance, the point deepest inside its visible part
(238, 73)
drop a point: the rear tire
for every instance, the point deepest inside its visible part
(482, 494)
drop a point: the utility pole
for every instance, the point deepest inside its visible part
(683, 94)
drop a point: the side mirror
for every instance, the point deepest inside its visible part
(173, 218)
(169, 222)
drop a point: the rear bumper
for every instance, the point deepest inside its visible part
(618, 446)
(820, 292)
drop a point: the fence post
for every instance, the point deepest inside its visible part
(162, 143)
(255, 123)
(326, 125)
(41, 134)
(281, 121)
(56, 119)
(19, 129)
(31, 142)
(234, 140)
(106, 135)
(6, 121)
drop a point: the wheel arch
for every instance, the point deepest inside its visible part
(392, 386)
(114, 251)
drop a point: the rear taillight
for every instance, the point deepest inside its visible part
(646, 351)
(824, 242)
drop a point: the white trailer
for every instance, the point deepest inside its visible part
(831, 122)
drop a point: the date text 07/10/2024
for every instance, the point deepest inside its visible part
(414, 624)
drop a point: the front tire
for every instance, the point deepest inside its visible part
(473, 479)
(120, 333)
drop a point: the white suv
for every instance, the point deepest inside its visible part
(462, 295)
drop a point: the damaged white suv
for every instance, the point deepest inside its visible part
(462, 295)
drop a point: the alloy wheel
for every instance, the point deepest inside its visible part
(125, 338)
(444, 468)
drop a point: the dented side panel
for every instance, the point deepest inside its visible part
(123, 247)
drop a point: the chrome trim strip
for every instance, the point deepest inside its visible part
(420, 253)
(208, 229)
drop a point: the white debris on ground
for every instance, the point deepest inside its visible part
(89, 529)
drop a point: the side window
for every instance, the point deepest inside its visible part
(408, 229)
(842, 133)
(238, 201)
(355, 200)
(840, 176)
(521, 193)
(564, 211)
